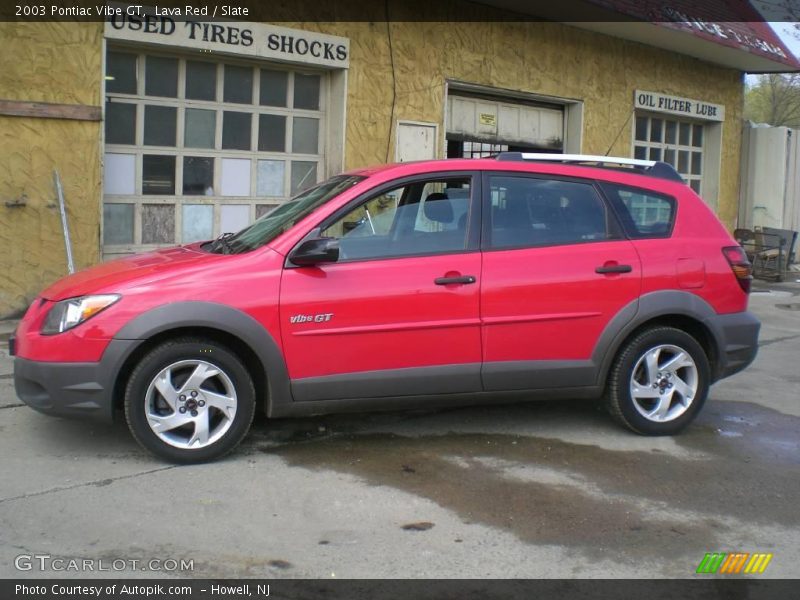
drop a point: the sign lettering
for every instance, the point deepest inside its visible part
(720, 30)
(487, 119)
(675, 105)
(256, 40)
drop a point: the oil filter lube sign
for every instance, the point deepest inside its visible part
(675, 105)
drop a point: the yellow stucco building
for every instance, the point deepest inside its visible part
(165, 130)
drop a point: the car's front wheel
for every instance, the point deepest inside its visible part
(658, 382)
(189, 400)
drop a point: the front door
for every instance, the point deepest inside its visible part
(398, 314)
(555, 272)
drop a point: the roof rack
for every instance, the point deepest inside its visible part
(648, 167)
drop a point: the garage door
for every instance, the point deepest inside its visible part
(478, 126)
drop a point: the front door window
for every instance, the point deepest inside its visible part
(425, 217)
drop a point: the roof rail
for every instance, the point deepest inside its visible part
(648, 167)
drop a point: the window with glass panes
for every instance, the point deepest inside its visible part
(195, 148)
(482, 149)
(679, 143)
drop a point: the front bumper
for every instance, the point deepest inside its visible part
(737, 335)
(83, 390)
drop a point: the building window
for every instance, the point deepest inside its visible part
(196, 147)
(679, 143)
(474, 149)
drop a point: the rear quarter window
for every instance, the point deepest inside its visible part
(643, 213)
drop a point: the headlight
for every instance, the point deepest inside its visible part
(69, 313)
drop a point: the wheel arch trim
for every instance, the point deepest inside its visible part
(227, 320)
(650, 307)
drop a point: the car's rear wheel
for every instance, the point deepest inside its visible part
(658, 382)
(189, 400)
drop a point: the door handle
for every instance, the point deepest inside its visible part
(450, 280)
(605, 269)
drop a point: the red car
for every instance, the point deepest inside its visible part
(420, 284)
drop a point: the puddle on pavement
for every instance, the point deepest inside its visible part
(790, 306)
(747, 467)
(764, 438)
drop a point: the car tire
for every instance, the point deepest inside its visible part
(189, 400)
(658, 382)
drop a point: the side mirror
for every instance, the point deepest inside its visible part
(314, 251)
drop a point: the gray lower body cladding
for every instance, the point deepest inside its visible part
(737, 341)
(87, 389)
(82, 390)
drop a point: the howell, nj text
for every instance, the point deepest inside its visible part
(238, 591)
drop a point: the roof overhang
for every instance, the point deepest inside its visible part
(743, 56)
(728, 33)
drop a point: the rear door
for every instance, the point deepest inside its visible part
(556, 270)
(398, 314)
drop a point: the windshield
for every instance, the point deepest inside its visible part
(274, 223)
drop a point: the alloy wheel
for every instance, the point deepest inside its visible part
(190, 404)
(664, 383)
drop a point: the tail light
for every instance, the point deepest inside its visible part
(740, 265)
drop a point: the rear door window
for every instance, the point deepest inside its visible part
(643, 213)
(526, 211)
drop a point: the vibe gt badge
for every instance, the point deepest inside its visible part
(320, 318)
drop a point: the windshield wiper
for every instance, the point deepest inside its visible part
(223, 242)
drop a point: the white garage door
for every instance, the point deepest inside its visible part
(486, 125)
